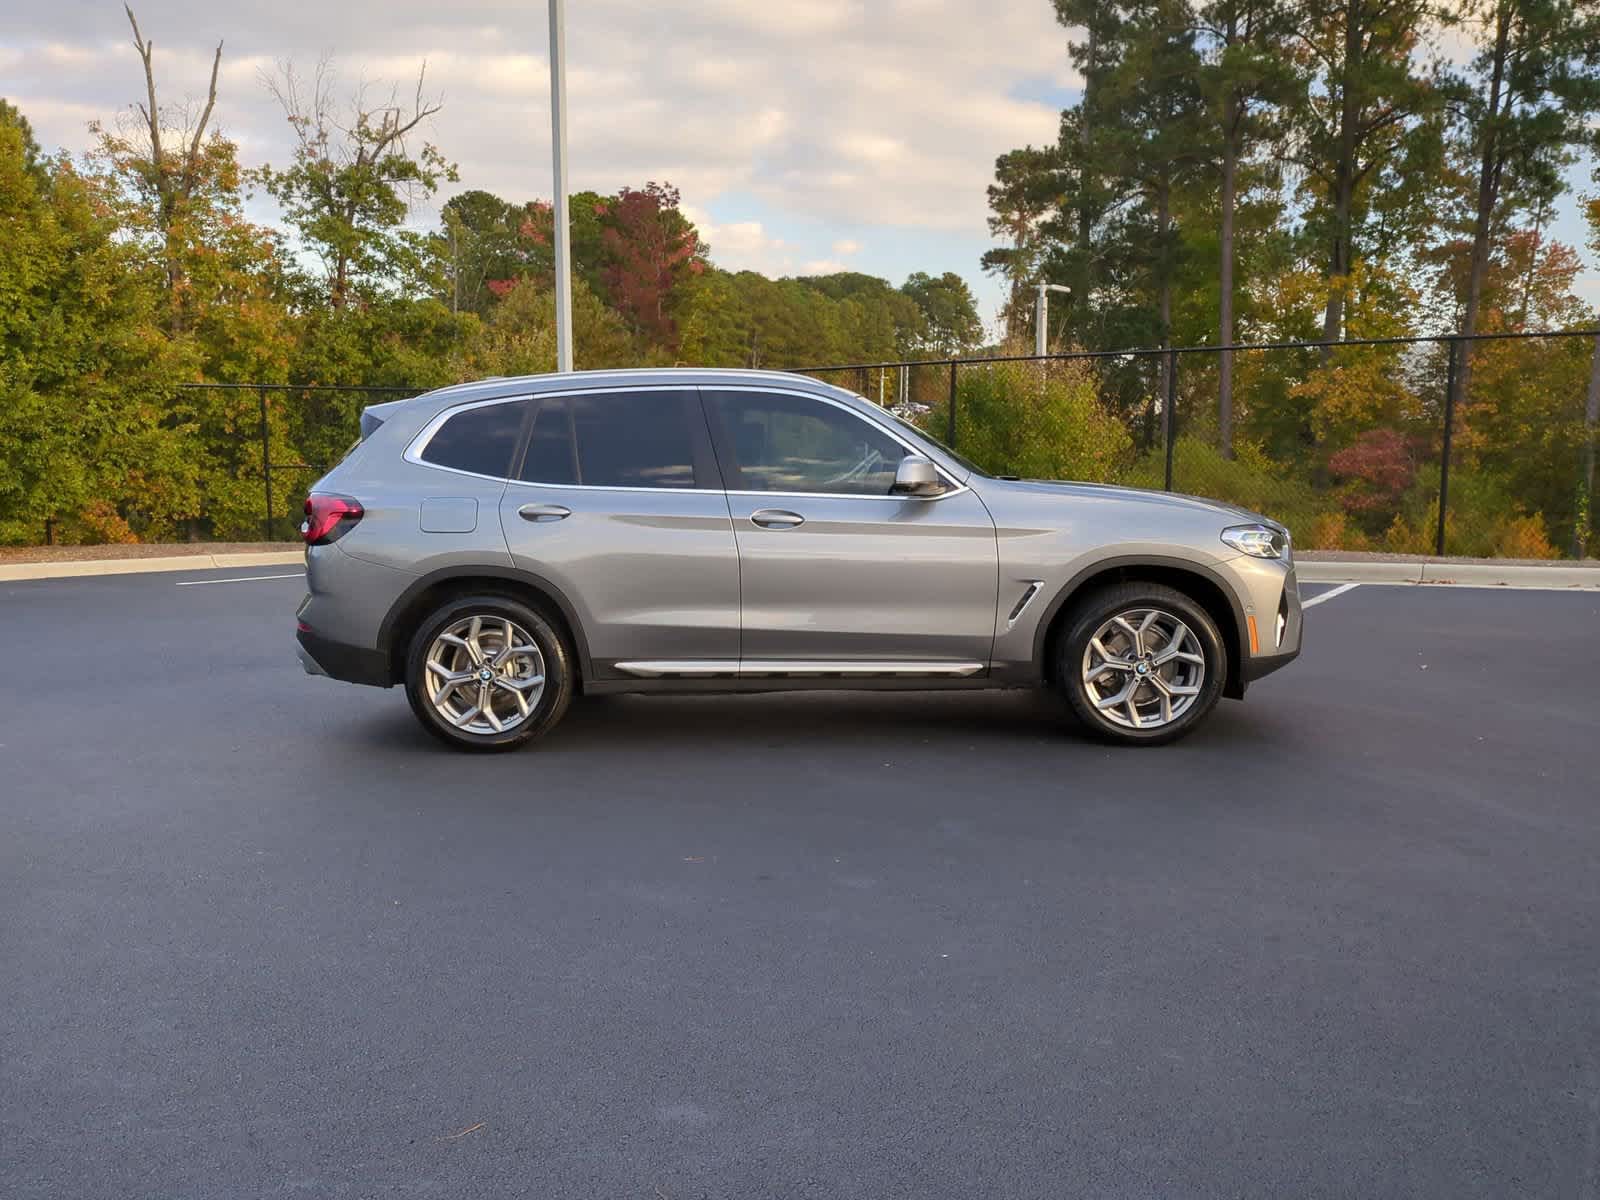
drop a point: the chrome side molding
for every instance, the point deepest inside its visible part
(685, 668)
(788, 668)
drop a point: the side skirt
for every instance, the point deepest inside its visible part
(727, 684)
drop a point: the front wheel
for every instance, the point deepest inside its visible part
(1141, 663)
(488, 673)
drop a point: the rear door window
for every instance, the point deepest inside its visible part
(638, 439)
(481, 440)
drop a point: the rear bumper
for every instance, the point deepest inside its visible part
(336, 660)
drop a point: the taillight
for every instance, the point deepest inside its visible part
(329, 518)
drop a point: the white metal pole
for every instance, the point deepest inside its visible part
(563, 225)
(1041, 312)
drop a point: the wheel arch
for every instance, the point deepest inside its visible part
(431, 590)
(1201, 584)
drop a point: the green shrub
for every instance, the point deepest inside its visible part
(1250, 480)
(1039, 423)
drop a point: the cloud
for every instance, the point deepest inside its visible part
(743, 245)
(845, 247)
(875, 112)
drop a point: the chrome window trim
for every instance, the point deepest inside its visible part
(419, 442)
(955, 485)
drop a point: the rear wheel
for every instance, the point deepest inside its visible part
(1141, 663)
(488, 673)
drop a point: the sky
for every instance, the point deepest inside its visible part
(804, 135)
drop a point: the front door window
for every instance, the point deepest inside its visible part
(796, 444)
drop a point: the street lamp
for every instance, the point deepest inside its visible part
(563, 224)
(1041, 315)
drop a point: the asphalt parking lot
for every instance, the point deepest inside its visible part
(261, 937)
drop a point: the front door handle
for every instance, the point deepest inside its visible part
(776, 518)
(543, 512)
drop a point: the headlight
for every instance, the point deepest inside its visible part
(1258, 541)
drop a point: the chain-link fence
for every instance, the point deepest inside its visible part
(1480, 446)
(1446, 445)
(276, 438)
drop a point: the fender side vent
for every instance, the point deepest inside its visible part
(1023, 601)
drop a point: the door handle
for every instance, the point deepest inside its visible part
(543, 512)
(776, 518)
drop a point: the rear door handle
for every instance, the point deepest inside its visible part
(776, 518)
(543, 512)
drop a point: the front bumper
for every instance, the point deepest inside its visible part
(1260, 665)
(336, 660)
(1270, 596)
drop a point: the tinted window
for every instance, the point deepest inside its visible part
(794, 444)
(479, 440)
(615, 439)
(550, 457)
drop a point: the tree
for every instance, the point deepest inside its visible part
(479, 242)
(650, 249)
(1027, 189)
(1085, 199)
(170, 181)
(1152, 140)
(884, 324)
(349, 186)
(178, 205)
(1526, 101)
(32, 158)
(1248, 77)
(713, 326)
(86, 372)
(519, 336)
(949, 310)
(1366, 128)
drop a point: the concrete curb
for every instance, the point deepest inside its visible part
(140, 566)
(1444, 573)
(1388, 571)
(1358, 572)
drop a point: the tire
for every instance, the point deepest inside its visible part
(1132, 652)
(444, 680)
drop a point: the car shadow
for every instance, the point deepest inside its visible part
(997, 720)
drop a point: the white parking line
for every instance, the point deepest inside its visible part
(1329, 595)
(240, 579)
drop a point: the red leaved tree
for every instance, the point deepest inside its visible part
(650, 249)
(1375, 472)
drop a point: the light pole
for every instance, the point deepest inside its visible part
(1041, 316)
(563, 225)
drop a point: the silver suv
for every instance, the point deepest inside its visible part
(501, 546)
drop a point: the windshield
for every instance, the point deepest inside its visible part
(928, 437)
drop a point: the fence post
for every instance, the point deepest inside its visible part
(950, 417)
(1583, 527)
(266, 467)
(1169, 424)
(1444, 454)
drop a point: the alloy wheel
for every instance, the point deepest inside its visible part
(1143, 669)
(484, 675)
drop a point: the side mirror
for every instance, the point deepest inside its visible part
(917, 476)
